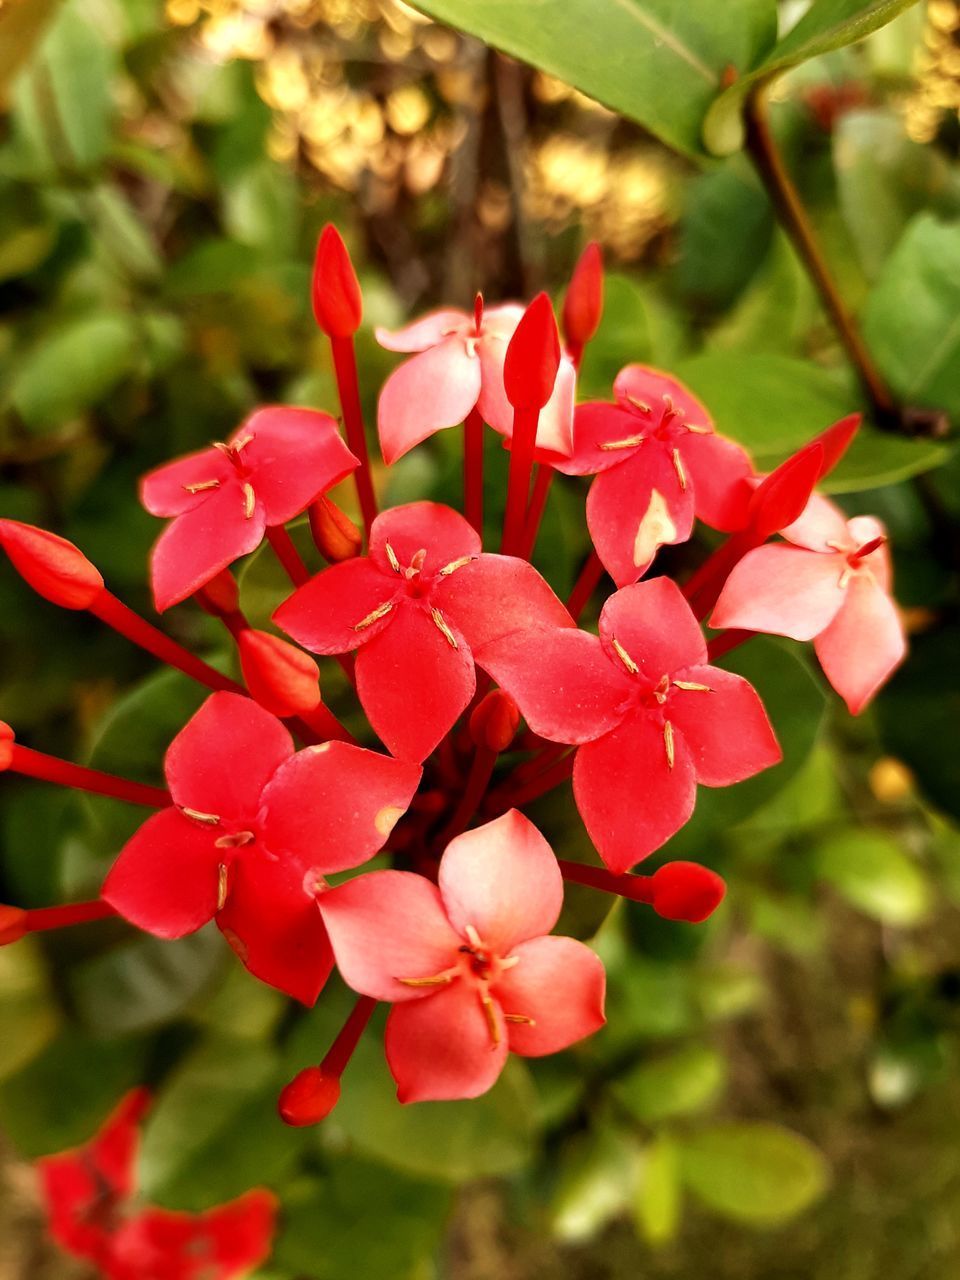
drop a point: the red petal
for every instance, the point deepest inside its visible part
(428, 331)
(435, 389)
(533, 356)
(52, 566)
(782, 590)
(441, 1048)
(337, 304)
(595, 424)
(166, 878)
(242, 1231)
(322, 615)
(422, 526)
(497, 595)
(412, 682)
(281, 678)
(164, 491)
(560, 984)
(221, 759)
(864, 643)
(726, 730)
(655, 626)
(719, 470)
(503, 879)
(389, 925)
(195, 546)
(630, 800)
(294, 455)
(564, 684)
(333, 806)
(648, 385)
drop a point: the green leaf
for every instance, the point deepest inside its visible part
(759, 1174)
(659, 1200)
(597, 1174)
(674, 1084)
(28, 1014)
(655, 61)
(872, 872)
(826, 25)
(724, 235)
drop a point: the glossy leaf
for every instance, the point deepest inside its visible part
(674, 1084)
(872, 872)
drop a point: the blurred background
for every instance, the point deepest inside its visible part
(776, 1093)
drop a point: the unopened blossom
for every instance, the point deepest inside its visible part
(417, 608)
(253, 830)
(650, 717)
(829, 583)
(467, 963)
(222, 499)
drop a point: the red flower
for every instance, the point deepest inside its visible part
(458, 366)
(253, 830)
(658, 463)
(224, 498)
(466, 964)
(417, 608)
(653, 718)
(832, 586)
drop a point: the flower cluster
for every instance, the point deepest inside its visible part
(272, 807)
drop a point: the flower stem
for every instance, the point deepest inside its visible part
(512, 797)
(341, 1051)
(703, 588)
(473, 469)
(636, 888)
(518, 484)
(44, 919)
(345, 367)
(538, 503)
(727, 640)
(478, 779)
(288, 555)
(585, 585)
(37, 764)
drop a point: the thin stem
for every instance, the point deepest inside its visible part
(636, 888)
(509, 797)
(473, 469)
(727, 640)
(288, 555)
(345, 367)
(44, 919)
(478, 779)
(703, 588)
(325, 725)
(538, 503)
(522, 448)
(37, 764)
(585, 585)
(342, 1049)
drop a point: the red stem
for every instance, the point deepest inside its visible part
(341, 1051)
(538, 503)
(478, 779)
(345, 367)
(45, 918)
(725, 641)
(518, 485)
(703, 588)
(473, 469)
(636, 888)
(37, 764)
(585, 585)
(513, 797)
(288, 555)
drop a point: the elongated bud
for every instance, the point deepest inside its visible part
(335, 535)
(686, 891)
(220, 595)
(533, 356)
(583, 305)
(783, 494)
(836, 440)
(494, 721)
(337, 304)
(54, 567)
(281, 677)
(309, 1097)
(13, 925)
(7, 740)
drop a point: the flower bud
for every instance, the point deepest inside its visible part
(337, 304)
(686, 891)
(7, 739)
(335, 535)
(494, 721)
(533, 357)
(836, 440)
(281, 677)
(583, 305)
(13, 925)
(309, 1097)
(220, 595)
(54, 567)
(781, 497)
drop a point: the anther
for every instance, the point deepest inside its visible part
(392, 557)
(668, 742)
(473, 936)
(628, 442)
(662, 690)
(638, 404)
(691, 686)
(379, 612)
(678, 468)
(511, 962)
(201, 485)
(249, 501)
(235, 840)
(491, 1015)
(416, 564)
(210, 819)
(697, 431)
(444, 630)
(624, 657)
(439, 980)
(242, 443)
(454, 565)
(222, 886)
(521, 1018)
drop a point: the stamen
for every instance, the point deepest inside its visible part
(454, 565)
(236, 840)
(845, 578)
(629, 442)
(242, 442)
(445, 631)
(668, 403)
(210, 819)
(249, 501)
(471, 345)
(222, 886)
(691, 686)
(678, 468)
(224, 449)
(491, 1015)
(521, 1018)
(624, 657)
(638, 404)
(668, 742)
(416, 564)
(379, 612)
(439, 980)
(473, 936)
(511, 962)
(662, 690)
(696, 431)
(201, 485)
(392, 557)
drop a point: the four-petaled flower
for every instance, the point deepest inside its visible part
(222, 499)
(252, 832)
(466, 963)
(658, 463)
(832, 586)
(418, 608)
(652, 717)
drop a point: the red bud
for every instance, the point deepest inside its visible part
(494, 721)
(533, 356)
(583, 305)
(780, 498)
(337, 304)
(334, 533)
(54, 567)
(220, 595)
(309, 1097)
(7, 739)
(281, 677)
(13, 925)
(836, 440)
(686, 891)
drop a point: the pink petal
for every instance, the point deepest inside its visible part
(428, 392)
(426, 332)
(163, 491)
(785, 591)
(441, 1048)
(864, 529)
(655, 626)
(221, 759)
(274, 924)
(293, 457)
(630, 799)
(332, 806)
(497, 595)
(560, 984)
(864, 643)
(720, 471)
(165, 879)
(820, 523)
(648, 385)
(196, 545)
(501, 321)
(566, 687)
(595, 424)
(555, 427)
(389, 925)
(422, 526)
(726, 730)
(323, 614)
(413, 683)
(636, 508)
(495, 409)
(503, 880)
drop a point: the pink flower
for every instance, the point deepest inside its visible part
(832, 586)
(222, 499)
(651, 718)
(417, 608)
(466, 964)
(658, 463)
(252, 832)
(458, 367)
